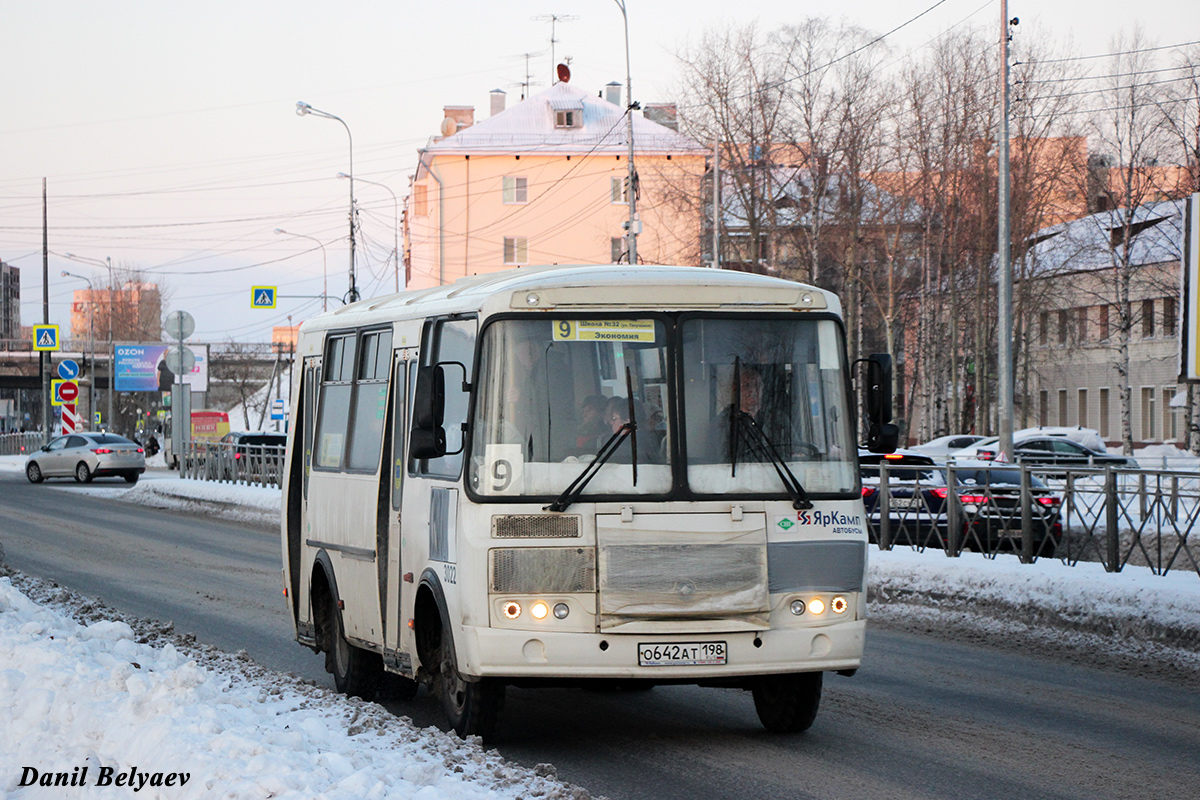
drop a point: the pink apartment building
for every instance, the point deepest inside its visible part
(544, 182)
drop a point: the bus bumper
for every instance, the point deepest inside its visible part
(491, 652)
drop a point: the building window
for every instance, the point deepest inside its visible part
(1082, 313)
(1083, 408)
(617, 245)
(567, 119)
(516, 250)
(617, 191)
(1043, 408)
(1062, 328)
(1044, 328)
(1104, 413)
(1147, 319)
(515, 190)
(1170, 418)
(421, 200)
(1102, 324)
(1168, 321)
(1147, 413)
(1062, 407)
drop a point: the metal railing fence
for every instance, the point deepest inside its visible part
(1116, 517)
(224, 462)
(20, 444)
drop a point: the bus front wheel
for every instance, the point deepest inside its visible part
(787, 703)
(355, 671)
(472, 707)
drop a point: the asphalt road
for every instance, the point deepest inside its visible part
(925, 718)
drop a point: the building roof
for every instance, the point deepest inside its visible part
(1095, 242)
(529, 126)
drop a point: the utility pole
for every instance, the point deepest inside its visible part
(633, 226)
(44, 356)
(716, 243)
(1005, 327)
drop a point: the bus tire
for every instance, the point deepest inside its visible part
(472, 707)
(355, 671)
(787, 703)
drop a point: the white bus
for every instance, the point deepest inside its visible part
(581, 476)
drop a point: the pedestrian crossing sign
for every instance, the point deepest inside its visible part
(45, 337)
(262, 297)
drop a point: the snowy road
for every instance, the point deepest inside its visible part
(941, 709)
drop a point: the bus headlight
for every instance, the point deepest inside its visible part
(539, 610)
(797, 607)
(561, 610)
(816, 606)
(512, 609)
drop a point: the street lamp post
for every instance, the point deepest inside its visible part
(107, 264)
(395, 227)
(324, 265)
(91, 344)
(633, 224)
(304, 109)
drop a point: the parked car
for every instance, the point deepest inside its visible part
(990, 498)
(86, 456)
(916, 498)
(945, 445)
(255, 456)
(1051, 450)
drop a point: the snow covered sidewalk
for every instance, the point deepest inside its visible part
(86, 707)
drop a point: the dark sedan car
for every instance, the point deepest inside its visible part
(990, 499)
(253, 456)
(916, 498)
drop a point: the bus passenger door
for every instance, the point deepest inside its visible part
(401, 593)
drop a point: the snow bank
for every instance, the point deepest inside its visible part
(93, 697)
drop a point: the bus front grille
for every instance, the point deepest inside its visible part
(542, 570)
(535, 526)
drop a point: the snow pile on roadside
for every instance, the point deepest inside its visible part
(256, 505)
(1132, 605)
(95, 696)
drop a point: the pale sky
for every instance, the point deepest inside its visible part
(168, 136)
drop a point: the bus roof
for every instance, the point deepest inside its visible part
(586, 288)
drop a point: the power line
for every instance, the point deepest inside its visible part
(1110, 55)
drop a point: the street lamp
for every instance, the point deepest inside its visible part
(91, 344)
(107, 264)
(303, 109)
(324, 265)
(634, 223)
(395, 228)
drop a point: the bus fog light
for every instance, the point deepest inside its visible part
(839, 605)
(797, 607)
(816, 606)
(539, 610)
(561, 611)
(512, 609)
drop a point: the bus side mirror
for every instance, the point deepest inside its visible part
(882, 435)
(428, 437)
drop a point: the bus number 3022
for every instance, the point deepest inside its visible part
(449, 573)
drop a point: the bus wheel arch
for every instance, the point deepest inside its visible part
(355, 671)
(472, 705)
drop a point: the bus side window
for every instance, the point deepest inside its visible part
(452, 340)
(336, 386)
(399, 429)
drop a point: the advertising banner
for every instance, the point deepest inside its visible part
(143, 368)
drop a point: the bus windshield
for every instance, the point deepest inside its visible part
(764, 393)
(551, 393)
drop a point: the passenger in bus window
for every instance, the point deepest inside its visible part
(717, 449)
(591, 423)
(616, 414)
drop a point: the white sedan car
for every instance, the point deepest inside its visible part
(85, 456)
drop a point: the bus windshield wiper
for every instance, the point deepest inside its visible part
(763, 445)
(626, 431)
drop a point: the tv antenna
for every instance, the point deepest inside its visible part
(554, 19)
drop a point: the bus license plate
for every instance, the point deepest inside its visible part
(681, 654)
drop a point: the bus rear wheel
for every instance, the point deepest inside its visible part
(787, 703)
(355, 671)
(472, 707)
